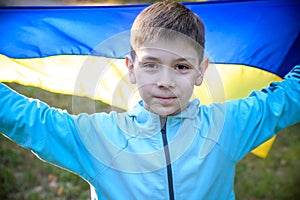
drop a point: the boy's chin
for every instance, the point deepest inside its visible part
(164, 111)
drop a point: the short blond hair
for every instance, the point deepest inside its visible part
(167, 20)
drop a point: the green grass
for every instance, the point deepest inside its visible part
(278, 176)
(23, 176)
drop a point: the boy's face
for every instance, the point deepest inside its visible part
(165, 74)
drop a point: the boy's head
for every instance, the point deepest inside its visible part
(166, 62)
(167, 20)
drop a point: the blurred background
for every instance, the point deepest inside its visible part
(23, 176)
(71, 2)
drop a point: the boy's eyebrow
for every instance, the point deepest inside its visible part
(185, 59)
(177, 60)
(150, 58)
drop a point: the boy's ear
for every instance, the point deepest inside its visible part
(130, 66)
(202, 68)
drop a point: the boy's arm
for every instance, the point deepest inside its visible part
(253, 120)
(48, 132)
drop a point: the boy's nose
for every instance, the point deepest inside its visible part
(165, 78)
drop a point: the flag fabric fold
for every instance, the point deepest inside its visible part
(80, 50)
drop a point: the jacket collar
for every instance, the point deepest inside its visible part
(142, 115)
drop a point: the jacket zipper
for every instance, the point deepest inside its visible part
(168, 162)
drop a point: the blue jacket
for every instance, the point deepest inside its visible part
(125, 156)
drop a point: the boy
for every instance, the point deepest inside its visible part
(165, 147)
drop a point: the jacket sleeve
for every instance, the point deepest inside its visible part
(251, 121)
(50, 133)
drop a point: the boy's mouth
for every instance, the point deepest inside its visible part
(165, 99)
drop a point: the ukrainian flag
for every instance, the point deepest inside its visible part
(80, 50)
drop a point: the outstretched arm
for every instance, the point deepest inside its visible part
(255, 119)
(50, 133)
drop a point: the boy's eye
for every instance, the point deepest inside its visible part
(182, 67)
(149, 65)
